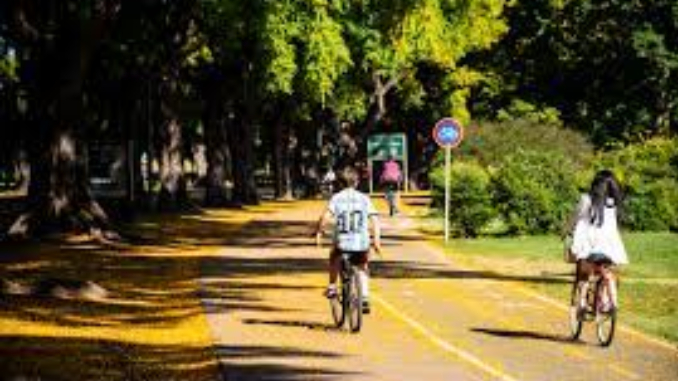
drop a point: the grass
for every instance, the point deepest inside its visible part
(648, 285)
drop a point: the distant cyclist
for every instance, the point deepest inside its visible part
(390, 178)
(352, 212)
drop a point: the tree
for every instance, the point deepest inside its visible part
(390, 41)
(608, 67)
(57, 42)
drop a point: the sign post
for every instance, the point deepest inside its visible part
(448, 133)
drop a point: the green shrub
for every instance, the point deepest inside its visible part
(649, 177)
(489, 143)
(470, 197)
(535, 190)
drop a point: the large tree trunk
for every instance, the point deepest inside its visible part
(242, 142)
(59, 191)
(218, 158)
(173, 194)
(242, 146)
(22, 171)
(282, 160)
(59, 195)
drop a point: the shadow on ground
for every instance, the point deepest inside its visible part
(523, 335)
(80, 359)
(236, 268)
(268, 364)
(152, 282)
(74, 359)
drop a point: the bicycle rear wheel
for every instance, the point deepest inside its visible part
(575, 311)
(606, 321)
(338, 303)
(353, 305)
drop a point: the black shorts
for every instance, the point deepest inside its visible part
(599, 259)
(357, 257)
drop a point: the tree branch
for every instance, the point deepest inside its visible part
(395, 80)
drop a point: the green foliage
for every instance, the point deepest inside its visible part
(520, 109)
(327, 56)
(609, 67)
(491, 142)
(649, 176)
(349, 102)
(304, 45)
(443, 32)
(470, 197)
(392, 40)
(536, 172)
(279, 30)
(535, 190)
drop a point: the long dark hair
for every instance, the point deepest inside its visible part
(603, 188)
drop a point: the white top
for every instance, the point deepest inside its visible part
(352, 210)
(590, 238)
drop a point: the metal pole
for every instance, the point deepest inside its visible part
(370, 171)
(406, 162)
(447, 193)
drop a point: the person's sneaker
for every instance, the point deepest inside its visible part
(366, 307)
(331, 292)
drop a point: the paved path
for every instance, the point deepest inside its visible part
(431, 320)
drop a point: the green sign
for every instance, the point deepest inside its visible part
(381, 146)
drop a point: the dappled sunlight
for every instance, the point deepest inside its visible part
(148, 323)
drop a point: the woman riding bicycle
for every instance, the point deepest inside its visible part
(596, 242)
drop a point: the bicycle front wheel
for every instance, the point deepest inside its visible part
(354, 303)
(606, 321)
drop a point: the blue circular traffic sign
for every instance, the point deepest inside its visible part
(448, 133)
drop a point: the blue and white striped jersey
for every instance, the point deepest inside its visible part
(351, 210)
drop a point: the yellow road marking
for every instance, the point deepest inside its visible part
(441, 343)
(624, 372)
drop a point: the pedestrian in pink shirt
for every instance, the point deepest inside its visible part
(391, 178)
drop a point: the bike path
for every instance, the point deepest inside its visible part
(516, 335)
(431, 319)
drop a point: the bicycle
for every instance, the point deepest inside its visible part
(587, 302)
(347, 304)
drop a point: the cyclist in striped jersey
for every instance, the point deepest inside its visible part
(352, 212)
